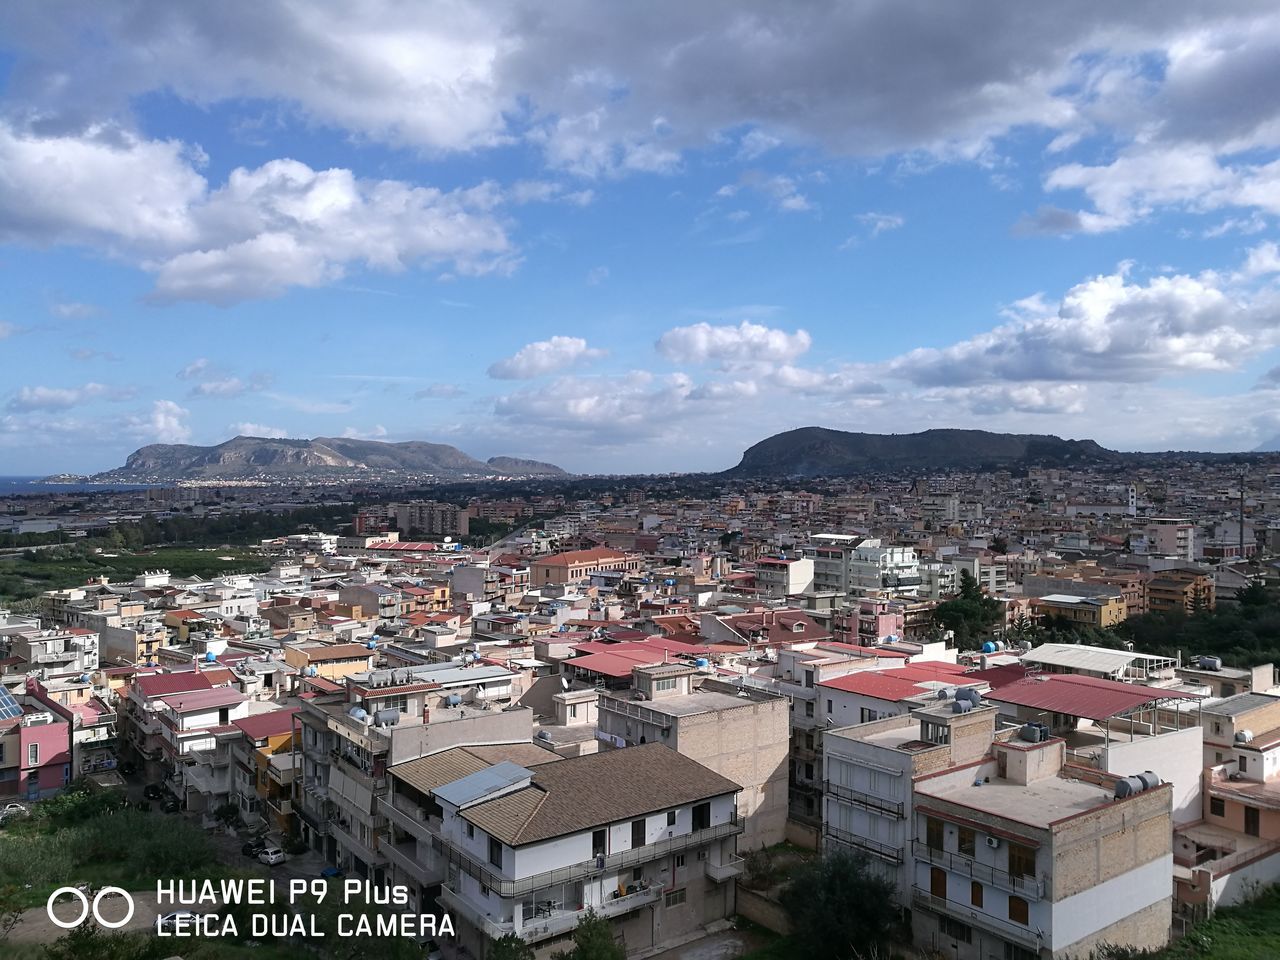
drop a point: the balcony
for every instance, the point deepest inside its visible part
(554, 921)
(281, 806)
(868, 801)
(623, 859)
(405, 857)
(1005, 929)
(348, 839)
(728, 868)
(1030, 887)
(883, 851)
(409, 817)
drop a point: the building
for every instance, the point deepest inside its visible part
(1097, 611)
(878, 567)
(432, 519)
(780, 577)
(35, 749)
(1181, 591)
(578, 564)
(645, 837)
(1171, 537)
(739, 732)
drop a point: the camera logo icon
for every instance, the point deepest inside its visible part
(88, 907)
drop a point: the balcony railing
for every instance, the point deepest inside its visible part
(884, 851)
(728, 868)
(405, 856)
(869, 801)
(283, 806)
(369, 854)
(553, 923)
(625, 858)
(408, 816)
(1005, 929)
(1030, 887)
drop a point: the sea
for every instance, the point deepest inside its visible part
(17, 486)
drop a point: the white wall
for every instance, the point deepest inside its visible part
(1079, 916)
(1175, 757)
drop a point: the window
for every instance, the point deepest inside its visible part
(1244, 764)
(675, 897)
(808, 678)
(1018, 911)
(965, 843)
(868, 715)
(1014, 952)
(484, 891)
(808, 708)
(399, 703)
(637, 833)
(955, 930)
(1217, 807)
(671, 818)
(598, 842)
(33, 755)
(1251, 821)
(679, 860)
(495, 852)
(938, 882)
(1022, 861)
(828, 705)
(573, 711)
(702, 816)
(660, 685)
(471, 831)
(975, 893)
(933, 833)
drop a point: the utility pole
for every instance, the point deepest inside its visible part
(1242, 516)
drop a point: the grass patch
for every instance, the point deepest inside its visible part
(29, 572)
(1245, 932)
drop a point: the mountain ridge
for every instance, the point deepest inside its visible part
(244, 457)
(820, 451)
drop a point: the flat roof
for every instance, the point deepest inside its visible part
(1040, 803)
(1083, 657)
(692, 704)
(1240, 703)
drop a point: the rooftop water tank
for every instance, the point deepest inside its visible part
(311, 671)
(1030, 732)
(1128, 786)
(942, 694)
(358, 713)
(1149, 779)
(371, 645)
(989, 647)
(1244, 736)
(386, 718)
(1211, 663)
(702, 663)
(961, 706)
(210, 657)
(452, 700)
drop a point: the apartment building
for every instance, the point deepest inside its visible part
(876, 566)
(35, 749)
(140, 716)
(832, 555)
(645, 837)
(740, 732)
(578, 564)
(1020, 856)
(433, 519)
(1181, 591)
(1171, 537)
(1097, 611)
(1240, 718)
(88, 708)
(59, 651)
(781, 577)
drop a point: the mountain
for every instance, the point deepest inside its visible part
(245, 458)
(1270, 446)
(819, 452)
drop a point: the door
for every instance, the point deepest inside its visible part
(938, 882)
(1251, 821)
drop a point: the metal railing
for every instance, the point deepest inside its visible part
(626, 858)
(557, 922)
(1032, 887)
(870, 801)
(726, 869)
(884, 851)
(1005, 929)
(403, 855)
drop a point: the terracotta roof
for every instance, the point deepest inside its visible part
(877, 684)
(204, 699)
(579, 556)
(582, 793)
(263, 725)
(1079, 696)
(163, 684)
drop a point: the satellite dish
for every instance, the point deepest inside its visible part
(448, 539)
(564, 681)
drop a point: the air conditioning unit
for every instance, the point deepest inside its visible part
(993, 842)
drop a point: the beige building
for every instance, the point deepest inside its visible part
(740, 733)
(1101, 611)
(578, 564)
(432, 519)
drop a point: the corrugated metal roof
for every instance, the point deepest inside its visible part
(1096, 659)
(1075, 696)
(483, 783)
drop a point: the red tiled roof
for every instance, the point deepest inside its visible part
(1077, 696)
(163, 684)
(271, 724)
(998, 677)
(204, 699)
(866, 651)
(877, 684)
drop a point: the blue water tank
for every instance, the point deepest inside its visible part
(371, 645)
(211, 657)
(358, 713)
(702, 662)
(311, 671)
(85, 678)
(989, 647)
(452, 700)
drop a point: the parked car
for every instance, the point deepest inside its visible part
(169, 922)
(127, 769)
(330, 873)
(154, 791)
(13, 810)
(254, 847)
(169, 803)
(272, 855)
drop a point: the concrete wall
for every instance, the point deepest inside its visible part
(760, 909)
(1175, 757)
(501, 726)
(1244, 882)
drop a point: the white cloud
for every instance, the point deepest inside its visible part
(611, 410)
(756, 143)
(267, 229)
(165, 423)
(7, 330)
(195, 369)
(376, 432)
(250, 429)
(225, 387)
(439, 391)
(73, 310)
(597, 276)
(63, 398)
(878, 223)
(727, 345)
(309, 404)
(543, 357)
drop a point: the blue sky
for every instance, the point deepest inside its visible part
(635, 239)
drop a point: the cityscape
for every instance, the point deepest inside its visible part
(582, 482)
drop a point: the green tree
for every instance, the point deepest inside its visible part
(839, 908)
(970, 615)
(89, 942)
(510, 947)
(593, 940)
(1255, 595)
(11, 909)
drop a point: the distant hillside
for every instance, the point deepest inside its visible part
(819, 452)
(248, 457)
(1270, 446)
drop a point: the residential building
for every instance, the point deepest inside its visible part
(1181, 591)
(35, 749)
(432, 519)
(1171, 537)
(1097, 611)
(781, 577)
(738, 731)
(578, 564)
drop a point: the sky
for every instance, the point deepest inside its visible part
(635, 238)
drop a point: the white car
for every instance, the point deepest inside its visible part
(13, 810)
(169, 922)
(272, 855)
